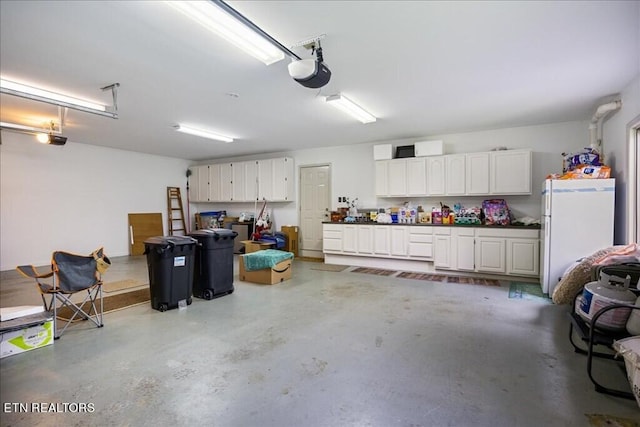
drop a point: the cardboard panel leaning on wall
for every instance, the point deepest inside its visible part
(75, 197)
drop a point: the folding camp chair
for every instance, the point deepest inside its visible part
(70, 274)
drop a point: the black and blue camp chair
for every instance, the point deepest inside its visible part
(71, 274)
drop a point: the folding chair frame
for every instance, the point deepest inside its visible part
(55, 294)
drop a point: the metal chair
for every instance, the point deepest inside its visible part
(71, 274)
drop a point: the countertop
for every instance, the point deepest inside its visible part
(520, 227)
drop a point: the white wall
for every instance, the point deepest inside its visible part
(75, 197)
(615, 146)
(353, 169)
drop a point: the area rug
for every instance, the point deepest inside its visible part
(329, 267)
(121, 285)
(449, 279)
(527, 291)
(601, 420)
(113, 302)
(422, 276)
(376, 271)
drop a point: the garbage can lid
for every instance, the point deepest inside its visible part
(170, 241)
(213, 233)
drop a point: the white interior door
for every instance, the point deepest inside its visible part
(315, 193)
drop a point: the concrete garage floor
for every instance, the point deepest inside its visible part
(322, 349)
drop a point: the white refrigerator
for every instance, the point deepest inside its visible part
(577, 220)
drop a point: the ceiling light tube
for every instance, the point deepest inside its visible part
(202, 133)
(354, 110)
(29, 92)
(212, 17)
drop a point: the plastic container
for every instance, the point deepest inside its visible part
(170, 261)
(213, 275)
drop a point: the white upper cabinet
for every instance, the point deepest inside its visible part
(416, 177)
(455, 174)
(226, 180)
(382, 178)
(215, 184)
(199, 184)
(397, 177)
(511, 172)
(477, 173)
(436, 176)
(265, 179)
(237, 182)
(251, 180)
(283, 179)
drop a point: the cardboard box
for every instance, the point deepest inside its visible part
(291, 231)
(256, 245)
(25, 339)
(429, 148)
(268, 276)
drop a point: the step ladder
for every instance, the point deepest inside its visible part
(176, 213)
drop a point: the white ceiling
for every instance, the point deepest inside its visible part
(423, 68)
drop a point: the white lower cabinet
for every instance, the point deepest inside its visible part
(443, 250)
(365, 239)
(399, 244)
(349, 238)
(509, 251)
(421, 243)
(465, 249)
(490, 255)
(381, 239)
(332, 238)
(523, 257)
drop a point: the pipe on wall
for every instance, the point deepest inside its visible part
(595, 126)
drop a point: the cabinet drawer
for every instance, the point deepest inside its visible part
(332, 227)
(333, 245)
(442, 231)
(421, 229)
(420, 238)
(332, 234)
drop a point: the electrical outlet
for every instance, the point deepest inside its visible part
(339, 199)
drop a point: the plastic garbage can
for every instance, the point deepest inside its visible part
(213, 275)
(170, 260)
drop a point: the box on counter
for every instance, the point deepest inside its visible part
(35, 332)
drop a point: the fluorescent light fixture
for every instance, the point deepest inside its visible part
(202, 133)
(45, 136)
(215, 19)
(344, 104)
(42, 95)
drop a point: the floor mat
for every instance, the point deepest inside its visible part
(121, 285)
(376, 271)
(600, 420)
(449, 279)
(329, 267)
(528, 291)
(113, 303)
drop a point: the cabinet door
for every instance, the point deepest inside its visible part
(382, 178)
(477, 173)
(465, 251)
(442, 251)
(381, 240)
(237, 181)
(349, 238)
(523, 257)
(436, 176)
(265, 179)
(455, 174)
(416, 177)
(365, 239)
(399, 241)
(282, 179)
(251, 181)
(215, 184)
(226, 180)
(398, 177)
(199, 184)
(490, 254)
(511, 172)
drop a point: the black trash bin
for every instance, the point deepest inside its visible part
(170, 260)
(213, 275)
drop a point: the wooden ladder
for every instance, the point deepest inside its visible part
(176, 214)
